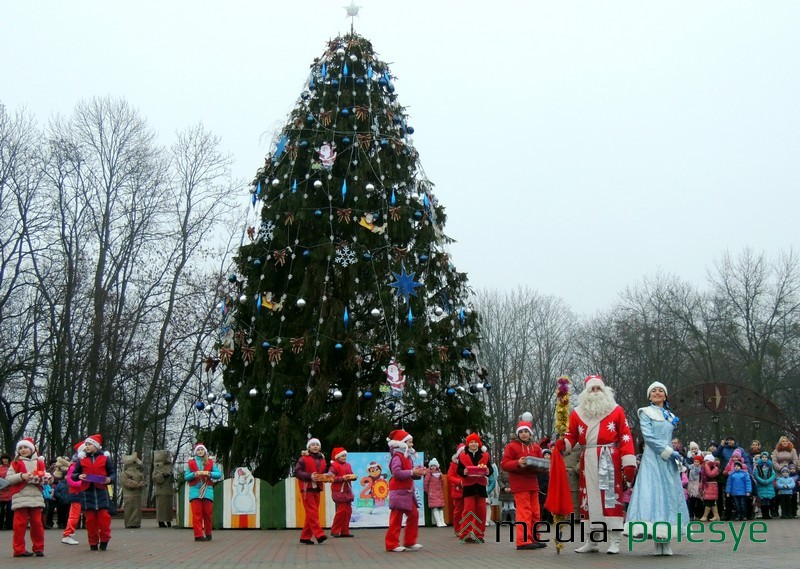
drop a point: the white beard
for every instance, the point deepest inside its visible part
(598, 404)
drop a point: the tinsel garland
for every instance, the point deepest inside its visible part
(562, 424)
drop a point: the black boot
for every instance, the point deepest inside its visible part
(103, 545)
(162, 524)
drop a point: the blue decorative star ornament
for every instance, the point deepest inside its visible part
(405, 284)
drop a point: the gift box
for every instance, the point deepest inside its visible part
(537, 463)
(95, 479)
(476, 471)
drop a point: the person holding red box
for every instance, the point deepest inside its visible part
(474, 465)
(402, 496)
(342, 492)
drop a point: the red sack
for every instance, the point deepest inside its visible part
(559, 496)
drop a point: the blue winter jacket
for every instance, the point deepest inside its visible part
(738, 483)
(208, 488)
(785, 484)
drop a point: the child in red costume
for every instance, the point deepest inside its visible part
(402, 498)
(200, 474)
(474, 465)
(310, 470)
(26, 474)
(96, 471)
(454, 483)
(75, 507)
(524, 482)
(342, 492)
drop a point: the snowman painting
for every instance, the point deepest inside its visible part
(327, 155)
(244, 499)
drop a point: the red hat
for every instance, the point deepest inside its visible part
(96, 440)
(698, 458)
(27, 442)
(198, 446)
(524, 425)
(460, 448)
(399, 435)
(473, 437)
(339, 451)
(79, 447)
(592, 380)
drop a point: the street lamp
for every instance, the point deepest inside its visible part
(756, 427)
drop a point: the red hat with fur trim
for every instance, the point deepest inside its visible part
(27, 442)
(339, 451)
(524, 425)
(592, 381)
(95, 440)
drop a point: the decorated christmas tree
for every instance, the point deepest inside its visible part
(346, 317)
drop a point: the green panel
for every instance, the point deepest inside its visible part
(219, 506)
(279, 504)
(182, 489)
(265, 505)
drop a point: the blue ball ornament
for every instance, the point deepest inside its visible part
(367, 256)
(451, 392)
(199, 405)
(305, 95)
(233, 409)
(368, 394)
(411, 351)
(334, 82)
(423, 258)
(309, 118)
(383, 82)
(359, 81)
(465, 353)
(257, 262)
(338, 346)
(227, 396)
(318, 213)
(390, 405)
(231, 278)
(266, 345)
(303, 143)
(410, 130)
(473, 388)
(288, 394)
(384, 142)
(306, 254)
(487, 386)
(417, 215)
(345, 112)
(345, 140)
(397, 120)
(391, 88)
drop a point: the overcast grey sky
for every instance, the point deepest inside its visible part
(577, 146)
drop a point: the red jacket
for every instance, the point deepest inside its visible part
(341, 489)
(455, 482)
(521, 478)
(308, 464)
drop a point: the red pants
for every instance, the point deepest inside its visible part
(458, 513)
(527, 504)
(311, 505)
(341, 521)
(396, 524)
(474, 516)
(74, 518)
(21, 518)
(98, 526)
(202, 511)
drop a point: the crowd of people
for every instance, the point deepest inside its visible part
(613, 489)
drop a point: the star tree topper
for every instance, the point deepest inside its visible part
(405, 284)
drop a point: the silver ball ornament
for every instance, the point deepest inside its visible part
(422, 393)
(211, 397)
(301, 303)
(253, 392)
(317, 184)
(340, 52)
(337, 394)
(275, 183)
(438, 311)
(375, 313)
(243, 298)
(370, 187)
(353, 57)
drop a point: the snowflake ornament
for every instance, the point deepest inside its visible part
(266, 231)
(345, 256)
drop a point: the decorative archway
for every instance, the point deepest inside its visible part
(719, 397)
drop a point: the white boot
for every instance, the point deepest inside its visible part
(666, 549)
(438, 516)
(613, 543)
(588, 547)
(658, 548)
